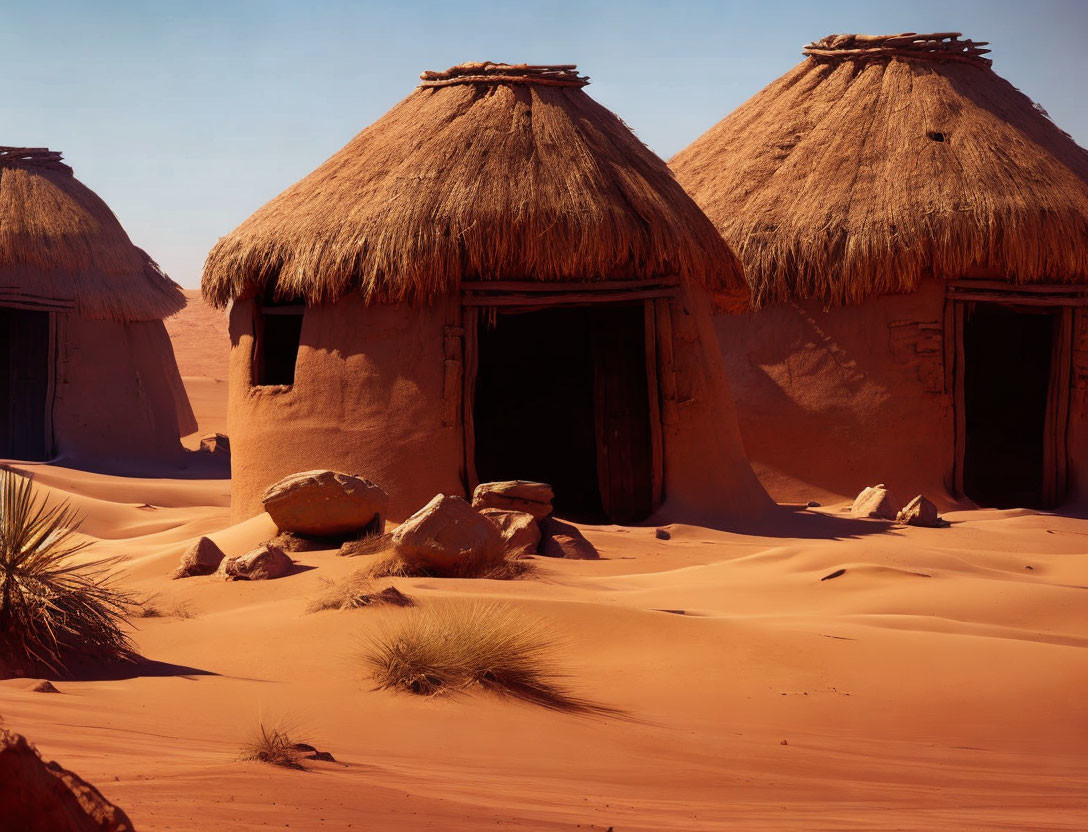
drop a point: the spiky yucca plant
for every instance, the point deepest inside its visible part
(52, 609)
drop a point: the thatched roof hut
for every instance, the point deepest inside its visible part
(915, 233)
(87, 372)
(495, 280)
(60, 242)
(485, 172)
(879, 159)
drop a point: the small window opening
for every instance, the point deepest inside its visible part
(937, 137)
(278, 334)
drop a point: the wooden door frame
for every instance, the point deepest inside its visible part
(488, 298)
(1062, 300)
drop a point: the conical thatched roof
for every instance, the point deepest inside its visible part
(879, 159)
(60, 242)
(485, 172)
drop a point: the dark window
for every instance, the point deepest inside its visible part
(278, 334)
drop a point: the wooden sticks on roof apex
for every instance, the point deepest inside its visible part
(32, 157)
(487, 72)
(936, 46)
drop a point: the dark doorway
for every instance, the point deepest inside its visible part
(1006, 384)
(561, 397)
(24, 384)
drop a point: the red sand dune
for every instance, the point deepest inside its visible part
(937, 684)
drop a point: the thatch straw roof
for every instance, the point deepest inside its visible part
(485, 172)
(880, 159)
(61, 246)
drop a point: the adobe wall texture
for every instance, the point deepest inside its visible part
(119, 403)
(367, 400)
(832, 400)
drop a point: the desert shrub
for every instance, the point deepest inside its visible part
(152, 607)
(357, 591)
(273, 745)
(53, 609)
(389, 564)
(454, 647)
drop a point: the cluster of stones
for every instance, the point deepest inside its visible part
(878, 502)
(322, 509)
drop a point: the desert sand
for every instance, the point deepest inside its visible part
(938, 683)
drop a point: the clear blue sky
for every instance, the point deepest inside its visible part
(187, 116)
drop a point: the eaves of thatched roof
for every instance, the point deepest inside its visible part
(62, 247)
(484, 172)
(881, 159)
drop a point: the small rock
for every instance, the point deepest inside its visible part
(919, 512)
(36, 796)
(533, 498)
(834, 574)
(520, 532)
(324, 756)
(305, 747)
(812, 504)
(446, 535)
(662, 534)
(325, 504)
(261, 564)
(44, 686)
(202, 558)
(562, 540)
(393, 597)
(876, 501)
(784, 742)
(216, 444)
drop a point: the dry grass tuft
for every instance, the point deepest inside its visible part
(273, 745)
(454, 647)
(150, 608)
(391, 565)
(51, 609)
(355, 592)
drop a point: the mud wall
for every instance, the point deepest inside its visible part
(831, 400)
(119, 404)
(708, 478)
(367, 400)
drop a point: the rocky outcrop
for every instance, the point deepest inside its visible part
(36, 796)
(326, 504)
(920, 512)
(876, 501)
(533, 498)
(562, 540)
(448, 537)
(216, 444)
(520, 532)
(202, 558)
(264, 563)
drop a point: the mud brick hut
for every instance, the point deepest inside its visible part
(495, 280)
(915, 233)
(87, 371)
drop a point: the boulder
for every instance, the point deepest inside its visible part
(36, 796)
(447, 536)
(533, 498)
(202, 558)
(325, 504)
(261, 564)
(919, 512)
(216, 444)
(562, 540)
(876, 501)
(520, 532)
